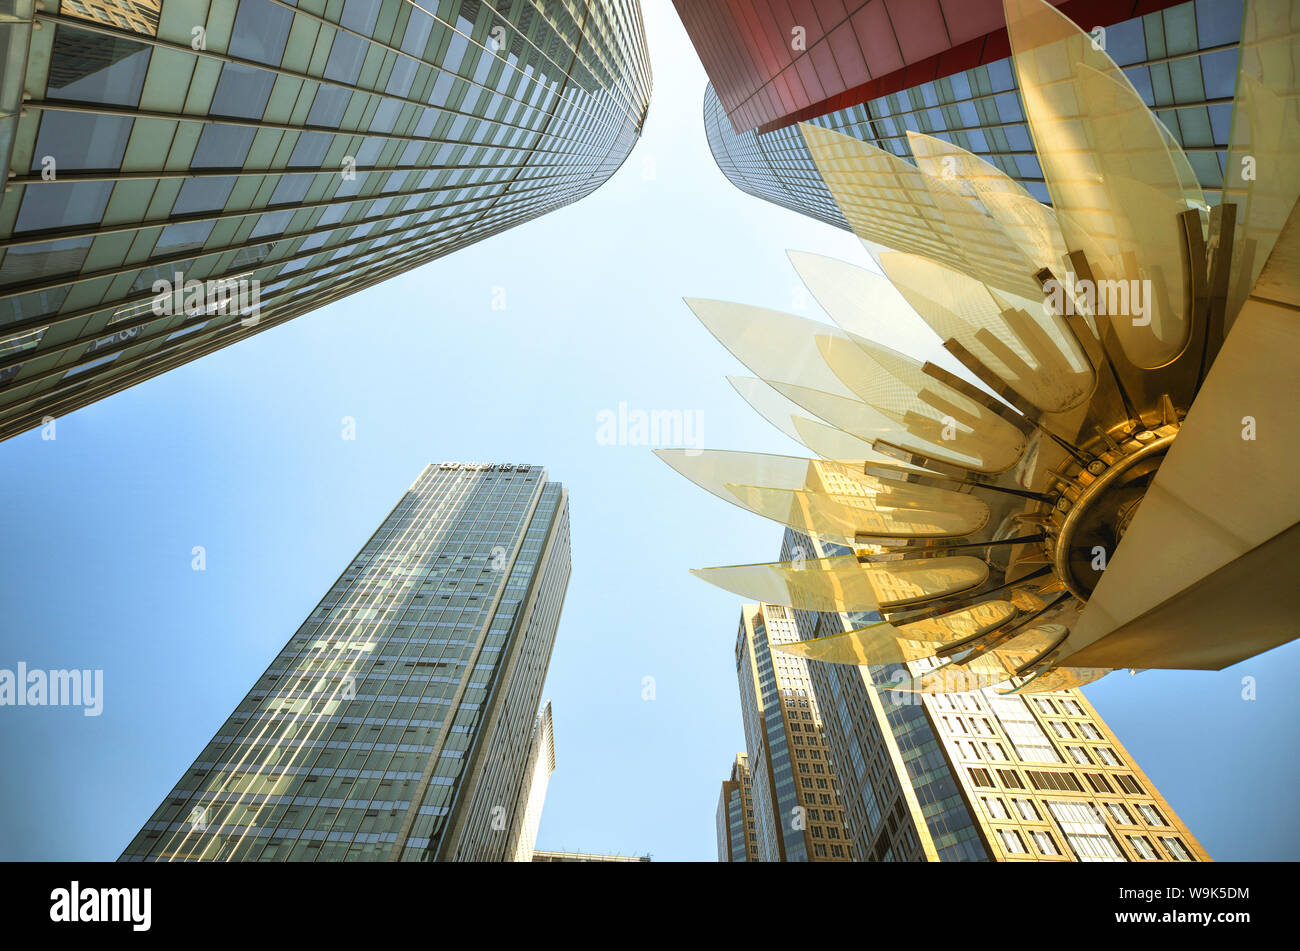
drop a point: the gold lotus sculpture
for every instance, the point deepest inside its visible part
(1104, 475)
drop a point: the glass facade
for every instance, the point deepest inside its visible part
(397, 722)
(1182, 60)
(976, 776)
(187, 173)
(734, 821)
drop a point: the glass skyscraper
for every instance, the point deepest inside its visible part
(182, 174)
(1182, 60)
(737, 840)
(397, 723)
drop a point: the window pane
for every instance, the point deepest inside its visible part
(242, 91)
(88, 67)
(222, 146)
(203, 194)
(80, 140)
(62, 205)
(261, 28)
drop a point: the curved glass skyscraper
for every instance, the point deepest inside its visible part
(183, 173)
(1182, 59)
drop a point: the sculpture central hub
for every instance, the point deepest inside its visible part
(1097, 503)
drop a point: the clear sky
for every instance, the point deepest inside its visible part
(242, 452)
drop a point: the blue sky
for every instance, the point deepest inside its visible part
(242, 452)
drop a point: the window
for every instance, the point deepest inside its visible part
(981, 777)
(186, 236)
(1045, 843)
(1176, 848)
(62, 205)
(1151, 814)
(242, 91)
(1119, 813)
(81, 141)
(1079, 755)
(995, 807)
(1012, 842)
(1027, 809)
(222, 146)
(1129, 784)
(1099, 783)
(92, 67)
(1085, 831)
(1107, 755)
(1142, 846)
(261, 29)
(203, 194)
(1010, 779)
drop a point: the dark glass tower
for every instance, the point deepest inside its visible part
(184, 174)
(396, 723)
(1182, 59)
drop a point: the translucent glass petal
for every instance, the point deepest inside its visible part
(858, 419)
(774, 345)
(884, 643)
(823, 440)
(831, 443)
(874, 644)
(896, 386)
(770, 404)
(1116, 191)
(890, 202)
(866, 304)
(828, 498)
(1019, 340)
(905, 511)
(844, 584)
(1029, 223)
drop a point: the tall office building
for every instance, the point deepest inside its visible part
(977, 776)
(396, 724)
(874, 69)
(798, 814)
(182, 174)
(737, 841)
(537, 777)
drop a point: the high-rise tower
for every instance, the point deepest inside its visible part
(874, 69)
(397, 722)
(798, 815)
(737, 841)
(182, 175)
(532, 797)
